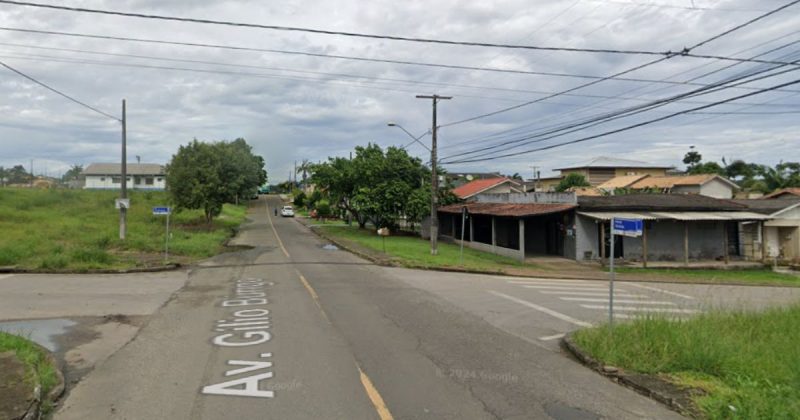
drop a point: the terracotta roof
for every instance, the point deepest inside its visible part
(672, 181)
(767, 206)
(507, 209)
(586, 191)
(785, 191)
(621, 182)
(658, 202)
(479, 185)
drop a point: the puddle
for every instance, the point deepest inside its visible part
(41, 331)
(330, 247)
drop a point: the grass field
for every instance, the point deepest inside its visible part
(747, 276)
(34, 359)
(411, 251)
(748, 363)
(79, 230)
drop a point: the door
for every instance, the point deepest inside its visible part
(618, 240)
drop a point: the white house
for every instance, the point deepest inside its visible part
(141, 176)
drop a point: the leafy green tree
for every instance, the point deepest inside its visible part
(706, 168)
(73, 173)
(300, 199)
(692, 158)
(572, 180)
(207, 175)
(313, 199)
(18, 175)
(323, 208)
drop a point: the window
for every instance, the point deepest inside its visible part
(116, 179)
(160, 179)
(148, 180)
(102, 179)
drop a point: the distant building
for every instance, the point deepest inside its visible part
(457, 179)
(602, 169)
(141, 176)
(500, 185)
(709, 185)
(786, 193)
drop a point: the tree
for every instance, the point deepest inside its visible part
(572, 180)
(73, 173)
(207, 175)
(304, 168)
(299, 199)
(323, 209)
(692, 158)
(18, 175)
(706, 168)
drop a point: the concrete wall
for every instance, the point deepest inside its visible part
(714, 188)
(106, 182)
(586, 239)
(527, 198)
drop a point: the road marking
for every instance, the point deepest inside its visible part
(552, 337)
(374, 396)
(600, 300)
(586, 288)
(5, 276)
(625, 295)
(369, 388)
(639, 309)
(275, 231)
(548, 311)
(549, 281)
(655, 289)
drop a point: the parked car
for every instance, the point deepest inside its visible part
(287, 211)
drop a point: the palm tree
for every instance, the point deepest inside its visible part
(304, 168)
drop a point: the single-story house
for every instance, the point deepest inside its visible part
(785, 193)
(710, 185)
(780, 238)
(144, 176)
(500, 185)
(677, 227)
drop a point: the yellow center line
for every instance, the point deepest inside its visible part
(369, 388)
(275, 231)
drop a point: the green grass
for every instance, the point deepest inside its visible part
(34, 358)
(749, 363)
(79, 230)
(754, 276)
(413, 251)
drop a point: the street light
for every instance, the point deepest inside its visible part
(416, 139)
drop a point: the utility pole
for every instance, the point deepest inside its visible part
(434, 176)
(123, 212)
(31, 173)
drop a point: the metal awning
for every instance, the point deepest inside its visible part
(678, 215)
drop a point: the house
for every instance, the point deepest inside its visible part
(710, 185)
(497, 185)
(457, 179)
(677, 227)
(144, 176)
(785, 193)
(780, 238)
(602, 169)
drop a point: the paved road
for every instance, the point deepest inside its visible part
(290, 329)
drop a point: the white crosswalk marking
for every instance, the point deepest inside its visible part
(634, 301)
(655, 289)
(554, 282)
(601, 294)
(642, 309)
(587, 288)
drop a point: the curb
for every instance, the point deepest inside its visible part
(34, 411)
(674, 397)
(168, 267)
(389, 263)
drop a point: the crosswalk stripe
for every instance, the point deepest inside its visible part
(656, 289)
(641, 309)
(586, 288)
(551, 281)
(632, 301)
(605, 293)
(559, 315)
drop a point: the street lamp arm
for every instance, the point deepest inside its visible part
(416, 139)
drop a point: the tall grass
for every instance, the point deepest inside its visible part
(35, 360)
(79, 229)
(749, 363)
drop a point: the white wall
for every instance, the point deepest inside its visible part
(106, 182)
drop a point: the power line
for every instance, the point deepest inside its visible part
(630, 127)
(650, 63)
(571, 128)
(54, 90)
(668, 54)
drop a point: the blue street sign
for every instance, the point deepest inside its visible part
(161, 210)
(628, 227)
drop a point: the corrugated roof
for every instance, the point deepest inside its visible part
(621, 182)
(609, 162)
(677, 215)
(672, 181)
(116, 169)
(767, 206)
(508, 209)
(783, 192)
(479, 185)
(657, 202)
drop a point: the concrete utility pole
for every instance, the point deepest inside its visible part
(434, 176)
(123, 212)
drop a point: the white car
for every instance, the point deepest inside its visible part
(287, 211)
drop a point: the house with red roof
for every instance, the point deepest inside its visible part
(499, 185)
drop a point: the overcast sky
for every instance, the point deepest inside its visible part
(292, 107)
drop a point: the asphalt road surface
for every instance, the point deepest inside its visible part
(294, 329)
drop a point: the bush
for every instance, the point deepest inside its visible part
(300, 199)
(323, 208)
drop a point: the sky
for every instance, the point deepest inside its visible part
(292, 107)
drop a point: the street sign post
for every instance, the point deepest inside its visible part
(161, 211)
(624, 227)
